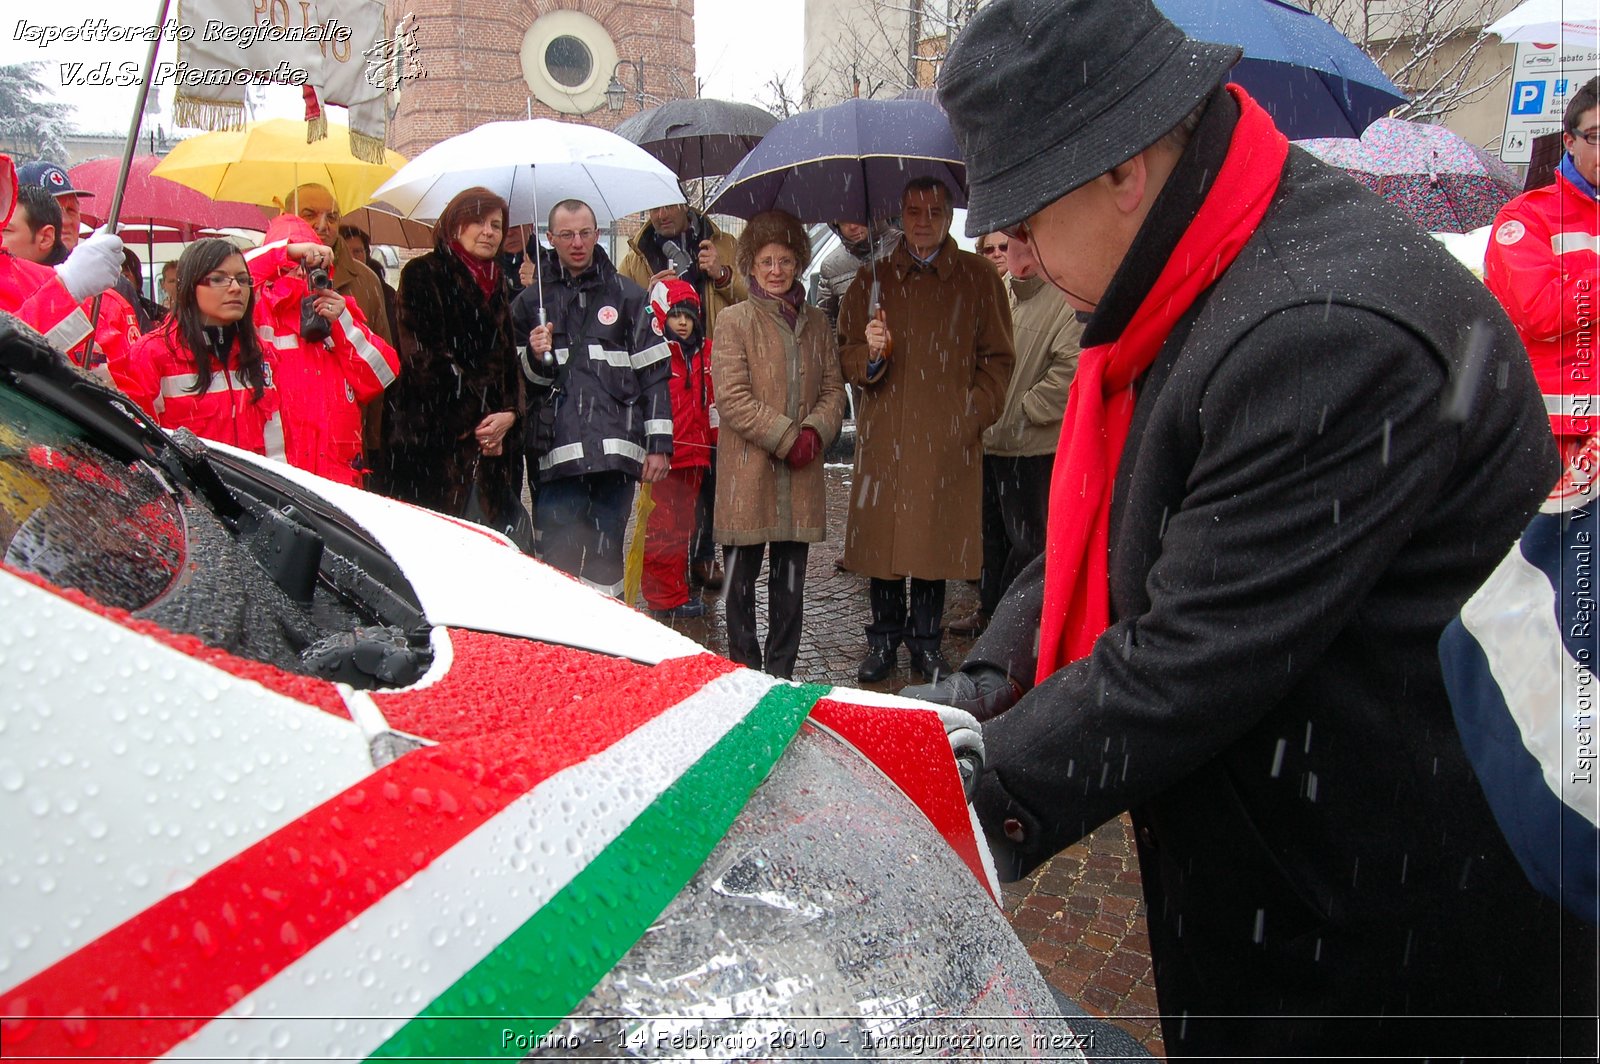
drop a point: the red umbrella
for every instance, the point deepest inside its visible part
(156, 201)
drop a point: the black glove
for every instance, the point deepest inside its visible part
(982, 690)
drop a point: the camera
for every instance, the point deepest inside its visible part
(314, 328)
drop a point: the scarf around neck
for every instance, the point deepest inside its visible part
(486, 272)
(1077, 602)
(788, 303)
(1569, 170)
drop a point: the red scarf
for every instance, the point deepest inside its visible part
(1077, 586)
(485, 271)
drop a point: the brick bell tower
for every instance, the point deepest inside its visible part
(494, 60)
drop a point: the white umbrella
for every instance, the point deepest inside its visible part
(1569, 23)
(534, 162)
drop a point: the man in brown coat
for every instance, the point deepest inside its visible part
(932, 360)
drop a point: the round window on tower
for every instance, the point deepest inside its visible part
(567, 60)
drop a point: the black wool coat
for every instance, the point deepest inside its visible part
(457, 364)
(1319, 472)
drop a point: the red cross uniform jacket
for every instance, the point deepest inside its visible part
(36, 296)
(324, 386)
(693, 434)
(160, 376)
(1543, 264)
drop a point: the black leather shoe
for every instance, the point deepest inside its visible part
(879, 662)
(932, 664)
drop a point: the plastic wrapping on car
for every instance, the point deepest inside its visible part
(832, 922)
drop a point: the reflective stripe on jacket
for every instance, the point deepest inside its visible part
(1543, 264)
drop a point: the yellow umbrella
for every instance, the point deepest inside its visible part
(633, 561)
(265, 160)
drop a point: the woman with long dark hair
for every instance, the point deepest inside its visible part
(203, 368)
(447, 419)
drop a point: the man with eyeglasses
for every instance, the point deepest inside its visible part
(1543, 262)
(600, 416)
(931, 362)
(1299, 437)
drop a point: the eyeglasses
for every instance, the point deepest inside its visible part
(786, 265)
(1020, 231)
(567, 236)
(223, 280)
(1590, 137)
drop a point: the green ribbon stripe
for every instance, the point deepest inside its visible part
(548, 965)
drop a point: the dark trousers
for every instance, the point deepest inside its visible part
(702, 547)
(1016, 500)
(581, 521)
(889, 627)
(786, 592)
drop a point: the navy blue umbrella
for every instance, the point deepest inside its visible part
(1307, 75)
(848, 162)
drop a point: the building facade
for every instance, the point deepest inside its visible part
(496, 60)
(883, 48)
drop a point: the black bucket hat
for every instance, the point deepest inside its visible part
(1046, 95)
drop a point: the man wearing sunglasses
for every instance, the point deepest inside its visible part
(1543, 262)
(1299, 436)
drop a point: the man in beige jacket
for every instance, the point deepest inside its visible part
(1019, 450)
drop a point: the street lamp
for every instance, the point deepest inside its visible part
(617, 92)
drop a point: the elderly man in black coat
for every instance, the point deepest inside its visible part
(1299, 437)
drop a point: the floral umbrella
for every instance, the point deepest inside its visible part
(1446, 184)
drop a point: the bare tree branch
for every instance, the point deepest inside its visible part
(1436, 51)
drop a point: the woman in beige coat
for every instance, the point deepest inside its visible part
(780, 397)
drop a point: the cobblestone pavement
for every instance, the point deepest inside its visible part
(1081, 915)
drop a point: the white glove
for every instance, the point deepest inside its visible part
(94, 265)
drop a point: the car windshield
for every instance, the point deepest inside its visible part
(78, 518)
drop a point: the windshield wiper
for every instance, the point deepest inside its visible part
(115, 423)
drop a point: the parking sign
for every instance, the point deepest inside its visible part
(1541, 79)
(1527, 97)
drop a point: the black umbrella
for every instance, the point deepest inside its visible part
(849, 161)
(698, 138)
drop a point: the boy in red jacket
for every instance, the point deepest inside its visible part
(676, 307)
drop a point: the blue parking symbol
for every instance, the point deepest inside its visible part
(1527, 97)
